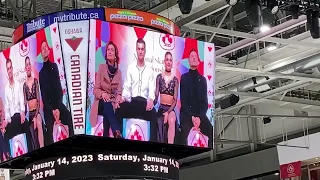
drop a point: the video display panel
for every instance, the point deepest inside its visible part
(149, 86)
(104, 79)
(34, 102)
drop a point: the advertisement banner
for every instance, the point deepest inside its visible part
(74, 37)
(34, 25)
(290, 170)
(135, 75)
(77, 15)
(132, 17)
(33, 93)
(140, 18)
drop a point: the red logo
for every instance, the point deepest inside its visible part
(57, 46)
(19, 149)
(209, 106)
(74, 42)
(136, 133)
(167, 41)
(209, 77)
(210, 64)
(24, 47)
(210, 49)
(290, 170)
(54, 29)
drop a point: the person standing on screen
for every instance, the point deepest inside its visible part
(194, 101)
(167, 86)
(139, 92)
(51, 92)
(15, 108)
(32, 100)
(107, 92)
(4, 145)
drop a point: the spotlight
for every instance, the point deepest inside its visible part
(254, 12)
(275, 10)
(232, 2)
(273, 6)
(266, 120)
(229, 101)
(294, 10)
(264, 28)
(313, 23)
(254, 79)
(185, 6)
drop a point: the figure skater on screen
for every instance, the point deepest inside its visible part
(139, 92)
(4, 145)
(15, 108)
(107, 92)
(32, 100)
(167, 86)
(194, 101)
(51, 92)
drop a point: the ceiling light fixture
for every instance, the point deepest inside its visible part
(232, 2)
(272, 47)
(264, 28)
(275, 10)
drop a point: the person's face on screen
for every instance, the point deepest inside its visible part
(141, 51)
(28, 67)
(9, 70)
(193, 60)
(111, 55)
(168, 62)
(44, 51)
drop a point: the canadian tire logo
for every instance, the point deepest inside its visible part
(167, 41)
(74, 42)
(24, 47)
(290, 169)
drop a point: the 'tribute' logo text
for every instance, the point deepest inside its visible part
(35, 25)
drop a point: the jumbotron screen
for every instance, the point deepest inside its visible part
(104, 79)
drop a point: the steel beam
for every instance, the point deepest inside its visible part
(266, 95)
(60, 5)
(268, 115)
(204, 28)
(221, 22)
(261, 36)
(203, 11)
(163, 6)
(217, 30)
(17, 13)
(306, 78)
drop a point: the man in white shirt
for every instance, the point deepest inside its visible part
(4, 145)
(15, 108)
(139, 92)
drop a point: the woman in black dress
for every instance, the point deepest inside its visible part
(167, 86)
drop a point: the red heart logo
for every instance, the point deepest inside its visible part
(209, 77)
(209, 48)
(209, 106)
(63, 91)
(59, 60)
(54, 29)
